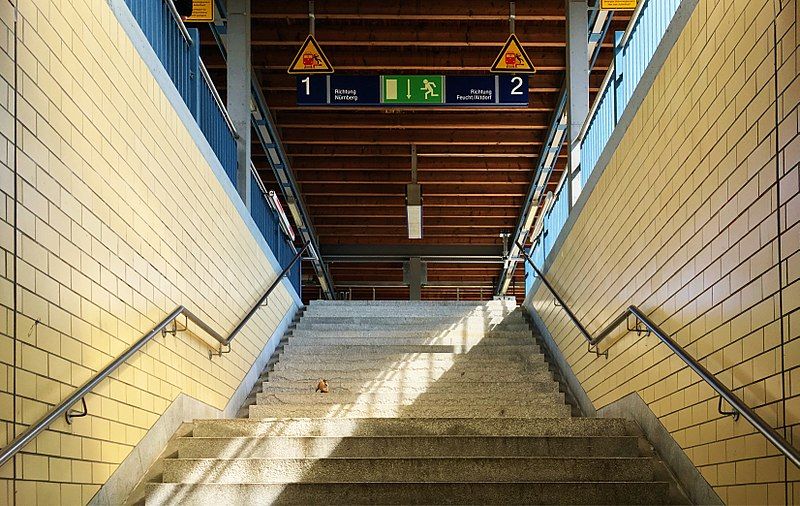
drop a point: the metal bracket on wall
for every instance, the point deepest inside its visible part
(72, 413)
(639, 327)
(594, 349)
(173, 330)
(222, 351)
(734, 412)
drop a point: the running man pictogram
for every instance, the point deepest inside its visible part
(428, 88)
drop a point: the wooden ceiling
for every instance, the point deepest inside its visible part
(475, 164)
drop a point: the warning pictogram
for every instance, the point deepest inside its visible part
(513, 59)
(310, 59)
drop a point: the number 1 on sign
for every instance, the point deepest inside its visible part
(307, 81)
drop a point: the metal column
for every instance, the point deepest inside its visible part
(577, 88)
(238, 46)
(415, 274)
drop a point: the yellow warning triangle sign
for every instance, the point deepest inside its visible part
(310, 59)
(513, 59)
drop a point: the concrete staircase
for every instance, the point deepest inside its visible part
(434, 403)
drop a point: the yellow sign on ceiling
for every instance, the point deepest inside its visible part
(618, 5)
(310, 59)
(202, 12)
(513, 59)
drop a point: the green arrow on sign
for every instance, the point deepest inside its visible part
(412, 90)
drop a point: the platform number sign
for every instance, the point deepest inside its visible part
(312, 90)
(516, 82)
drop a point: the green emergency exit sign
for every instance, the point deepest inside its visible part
(412, 90)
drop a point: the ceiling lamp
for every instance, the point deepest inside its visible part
(414, 200)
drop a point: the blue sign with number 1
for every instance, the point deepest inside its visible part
(338, 90)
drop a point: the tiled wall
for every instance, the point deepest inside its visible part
(120, 220)
(696, 220)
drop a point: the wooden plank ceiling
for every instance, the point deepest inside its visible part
(475, 164)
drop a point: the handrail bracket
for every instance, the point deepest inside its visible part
(594, 348)
(174, 329)
(639, 327)
(74, 413)
(733, 412)
(222, 351)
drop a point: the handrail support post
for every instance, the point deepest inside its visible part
(732, 413)
(223, 349)
(73, 413)
(173, 330)
(639, 327)
(594, 348)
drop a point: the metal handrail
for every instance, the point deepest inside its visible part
(217, 99)
(740, 408)
(178, 21)
(64, 407)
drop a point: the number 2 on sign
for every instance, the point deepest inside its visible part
(514, 80)
(307, 80)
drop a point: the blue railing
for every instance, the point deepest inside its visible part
(597, 134)
(268, 223)
(178, 49)
(169, 43)
(634, 50)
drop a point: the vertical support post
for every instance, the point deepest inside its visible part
(512, 17)
(238, 45)
(618, 74)
(577, 89)
(415, 275)
(312, 18)
(414, 163)
(195, 79)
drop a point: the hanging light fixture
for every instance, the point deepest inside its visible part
(414, 200)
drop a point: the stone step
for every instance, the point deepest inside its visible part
(394, 305)
(464, 375)
(498, 409)
(410, 493)
(471, 341)
(356, 307)
(356, 315)
(382, 302)
(540, 427)
(404, 324)
(418, 311)
(406, 346)
(386, 317)
(422, 469)
(408, 446)
(383, 367)
(404, 386)
(415, 332)
(407, 399)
